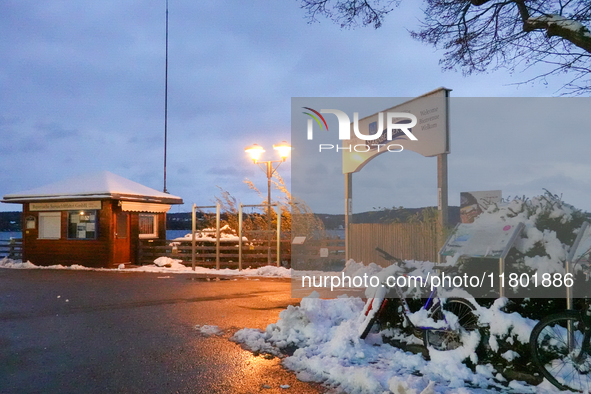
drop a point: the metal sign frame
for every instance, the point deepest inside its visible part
(501, 256)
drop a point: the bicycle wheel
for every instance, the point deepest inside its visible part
(451, 338)
(566, 367)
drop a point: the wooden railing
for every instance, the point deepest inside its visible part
(11, 248)
(254, 253)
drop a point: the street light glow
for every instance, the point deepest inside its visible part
(255, 152)
(284, 149)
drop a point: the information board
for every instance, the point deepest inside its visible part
(481, 240)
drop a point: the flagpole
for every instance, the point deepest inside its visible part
(166, 99)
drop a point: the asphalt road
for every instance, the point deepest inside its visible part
(113, 332)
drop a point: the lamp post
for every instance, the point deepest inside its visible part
(269, 168)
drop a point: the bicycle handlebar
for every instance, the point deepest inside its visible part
(387, 256)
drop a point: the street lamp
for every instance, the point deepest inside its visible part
(269, 168)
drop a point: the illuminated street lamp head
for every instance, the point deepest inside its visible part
(255, 152)
(284, 149)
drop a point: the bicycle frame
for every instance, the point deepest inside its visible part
(407, 312)
(427, 306)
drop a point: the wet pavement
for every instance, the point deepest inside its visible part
(115, 332)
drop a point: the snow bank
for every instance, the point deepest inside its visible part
(161, 265)
(17, 264)
(325, 336)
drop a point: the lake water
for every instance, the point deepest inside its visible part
(170, 234)
(4, 235)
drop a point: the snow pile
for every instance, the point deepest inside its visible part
(325, 334)
(227, 234)
(505, 326)
(270, 270)
(18, 264)
(169, 263)
(208, 330)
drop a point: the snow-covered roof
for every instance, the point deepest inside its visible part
(96, 186)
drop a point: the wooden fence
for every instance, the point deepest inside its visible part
(11, 248)
(409, 241)
(254, 253)
(322, 254)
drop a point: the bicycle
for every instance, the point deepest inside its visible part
(445, 334)
(560, 346)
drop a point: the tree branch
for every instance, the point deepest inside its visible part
(558, 26)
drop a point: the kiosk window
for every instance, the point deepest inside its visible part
(82, 225)
(50, 225)
(148, 225)
(122, 225)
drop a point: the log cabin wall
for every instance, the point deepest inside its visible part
(87, 252)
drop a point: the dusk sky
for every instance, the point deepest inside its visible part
(82, 91)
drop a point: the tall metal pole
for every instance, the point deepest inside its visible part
(217, 236)
(240, 237)
(348, 209)
(278, 236)
(442, 200)
(166, 99)
(269, 227)
(193, 230)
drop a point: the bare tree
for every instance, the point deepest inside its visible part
(480, 35)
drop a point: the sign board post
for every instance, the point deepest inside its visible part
(348, 209)
(442, 196)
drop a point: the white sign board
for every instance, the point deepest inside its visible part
(64, 205)
(430, 131)
(476, 240)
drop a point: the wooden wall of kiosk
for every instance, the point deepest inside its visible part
(107, 250)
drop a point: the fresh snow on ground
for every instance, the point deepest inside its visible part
(161, 265)
(325, 334)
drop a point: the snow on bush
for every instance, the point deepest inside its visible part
(551, 227)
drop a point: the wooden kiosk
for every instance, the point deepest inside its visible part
(93, 220)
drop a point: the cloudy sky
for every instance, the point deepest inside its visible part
(82, 90)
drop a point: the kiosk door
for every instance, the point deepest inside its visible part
(121, 250)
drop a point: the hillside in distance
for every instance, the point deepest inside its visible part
(11, 221)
